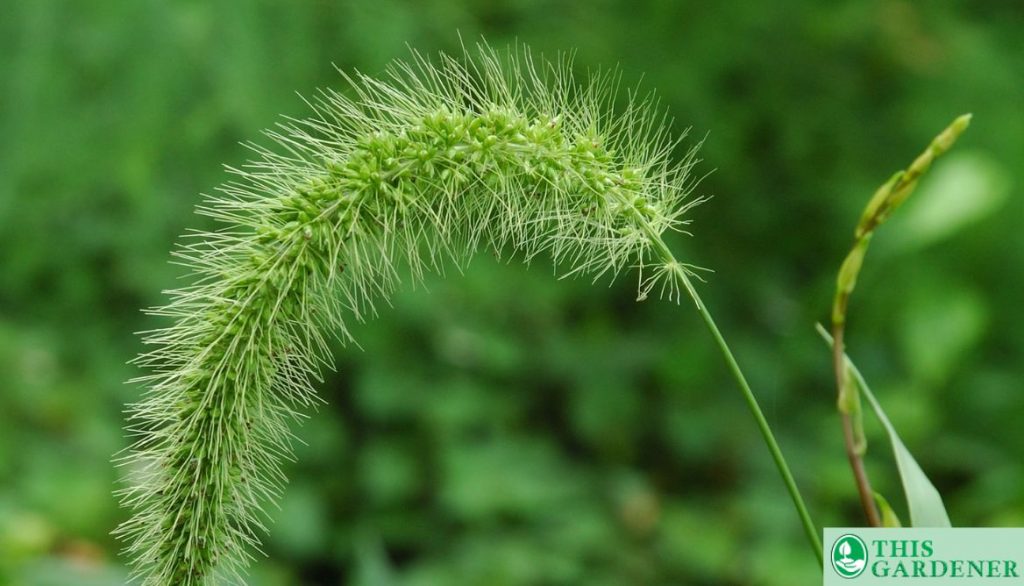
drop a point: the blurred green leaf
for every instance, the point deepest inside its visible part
(966, 188)
(940, 322)
(372, 567)
(505, 476)
(54, 571)
(301, 526)
(388, 473)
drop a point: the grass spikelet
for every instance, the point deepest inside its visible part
(399, 175)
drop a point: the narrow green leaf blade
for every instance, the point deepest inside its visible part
(923, 500)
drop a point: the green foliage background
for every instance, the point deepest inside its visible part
(502, 428)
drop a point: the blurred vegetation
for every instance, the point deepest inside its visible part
(500, 427)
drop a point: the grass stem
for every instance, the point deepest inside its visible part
(810, 531)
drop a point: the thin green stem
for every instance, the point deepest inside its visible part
(762, 424)
(810, 530)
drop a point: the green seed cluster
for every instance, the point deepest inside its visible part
(411, 173)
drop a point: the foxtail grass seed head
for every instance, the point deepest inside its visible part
(396, 176)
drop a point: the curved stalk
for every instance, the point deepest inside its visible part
(429, 165)
(408, 173)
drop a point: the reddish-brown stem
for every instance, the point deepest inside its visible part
(860, 475)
